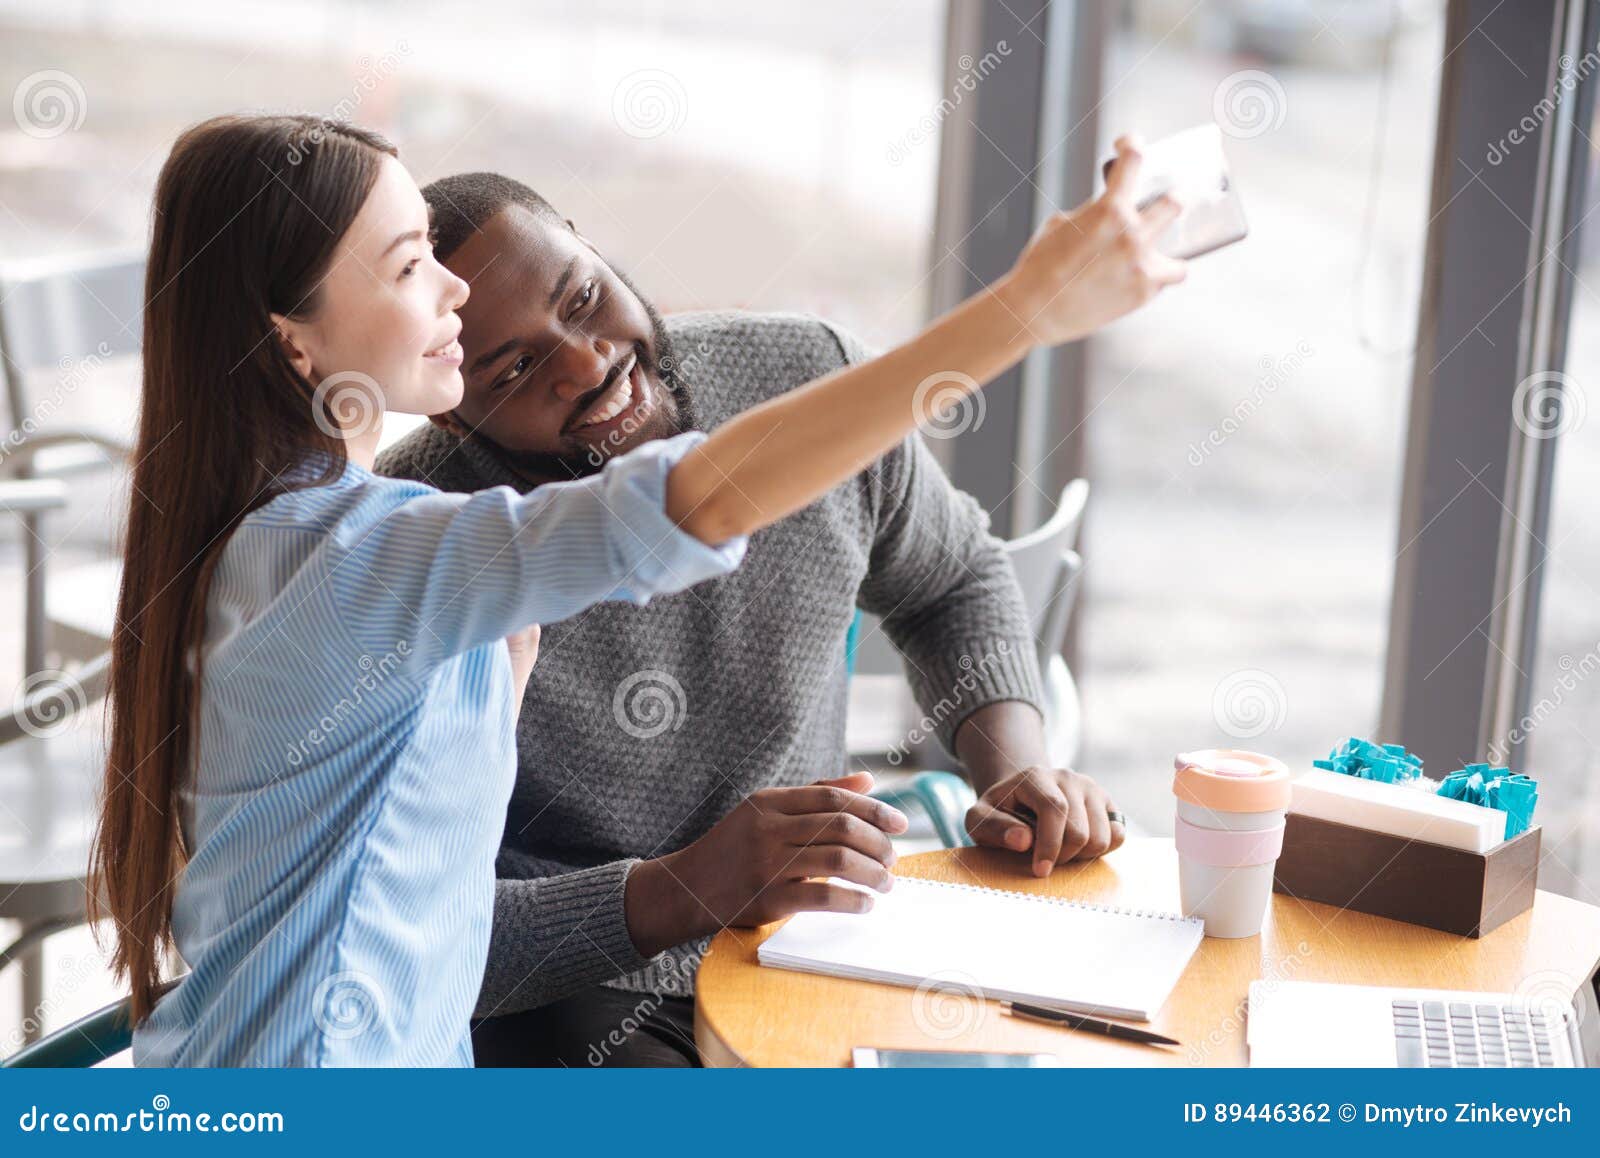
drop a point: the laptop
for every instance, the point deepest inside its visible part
(1299, 1023)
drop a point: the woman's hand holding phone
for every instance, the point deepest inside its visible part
(1091, 266)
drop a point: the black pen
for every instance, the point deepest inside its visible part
(1088, 1024)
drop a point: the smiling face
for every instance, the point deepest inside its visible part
(565, 364)
(385, 311)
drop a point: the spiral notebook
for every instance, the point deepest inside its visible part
(1086, 958)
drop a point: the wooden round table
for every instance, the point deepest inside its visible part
(746, 1014)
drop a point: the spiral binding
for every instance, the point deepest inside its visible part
(1067, 902)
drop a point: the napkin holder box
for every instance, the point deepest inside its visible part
(1466, 893)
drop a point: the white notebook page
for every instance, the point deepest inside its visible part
(1006, 945)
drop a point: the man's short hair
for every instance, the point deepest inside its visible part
(463, 203)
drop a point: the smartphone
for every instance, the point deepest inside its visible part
(865, 1057)
(1193, 168)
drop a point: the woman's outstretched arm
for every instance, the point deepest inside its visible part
(1081, 270)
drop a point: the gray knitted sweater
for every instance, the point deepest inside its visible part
(643, 726)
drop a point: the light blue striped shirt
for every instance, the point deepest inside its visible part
(356, 752)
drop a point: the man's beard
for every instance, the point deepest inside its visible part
(675, 414)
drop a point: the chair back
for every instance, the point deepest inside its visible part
(1045, 572)
(1052, 629)
(86, 1042)
(57, 311)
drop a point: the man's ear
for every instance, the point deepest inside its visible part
(449, 423)
(291, 341)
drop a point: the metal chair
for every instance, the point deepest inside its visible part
(1037, 558)
(63, 315)
(1048, 571)
(86, 1042)
(943, 797)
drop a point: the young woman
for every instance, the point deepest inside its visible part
(312, 696)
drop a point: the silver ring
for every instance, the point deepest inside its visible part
(1116, 817)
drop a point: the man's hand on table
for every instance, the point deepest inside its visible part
(764, 861)
(1056, 814)
(1024, 805)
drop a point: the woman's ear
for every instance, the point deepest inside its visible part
(291, 340)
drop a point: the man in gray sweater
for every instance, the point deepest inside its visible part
(669, 755)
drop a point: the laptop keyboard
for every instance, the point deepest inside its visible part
(1457, 1033)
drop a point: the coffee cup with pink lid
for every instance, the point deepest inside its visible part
(1229, 831)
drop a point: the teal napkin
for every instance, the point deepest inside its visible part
(1510, 792)
(1387, 763)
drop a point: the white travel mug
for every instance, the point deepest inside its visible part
(1229, 831)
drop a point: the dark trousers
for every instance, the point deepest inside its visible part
(596, 1027)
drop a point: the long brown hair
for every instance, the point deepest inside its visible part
(248, 212)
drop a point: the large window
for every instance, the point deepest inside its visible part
(1561, 730)
(1246, 433)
